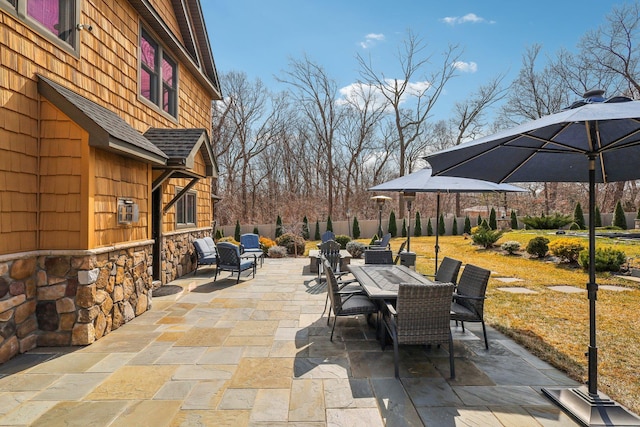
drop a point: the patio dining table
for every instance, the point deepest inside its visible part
(381, 281)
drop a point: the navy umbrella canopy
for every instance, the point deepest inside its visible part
(594, 140)
(424, 181)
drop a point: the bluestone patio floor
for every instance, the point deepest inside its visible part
(258, 353)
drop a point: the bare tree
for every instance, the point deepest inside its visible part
(316, 94)
(356, 135)
(469, 114)
(613, 48)
(246, 123)
(534, 94)
(410, 122)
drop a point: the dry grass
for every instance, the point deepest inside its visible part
(554, 325)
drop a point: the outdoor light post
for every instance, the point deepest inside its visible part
(380, 200)
(409, 197)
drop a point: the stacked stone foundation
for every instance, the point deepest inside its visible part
(64, 298)
(178, 257)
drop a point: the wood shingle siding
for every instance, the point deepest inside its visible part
(60, 180)
(120, 177)
(72, 124)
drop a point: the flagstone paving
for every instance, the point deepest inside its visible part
(517, 290)
(258, 353)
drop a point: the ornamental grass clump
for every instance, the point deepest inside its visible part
(510, 247)
(277, 252)
(355, 249)
(295, 244)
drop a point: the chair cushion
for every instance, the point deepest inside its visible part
(202, 248)
(210, 259)
(351, 289)
(357, 304)
(246, 264)
(460, 312)
(210, 244)
(253, 251)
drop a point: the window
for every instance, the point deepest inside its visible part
(158, 75)
(186, 209)
(58, 17)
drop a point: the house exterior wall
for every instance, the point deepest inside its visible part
(69, 273)
(116, 176)
(204, 212)
(61, 208)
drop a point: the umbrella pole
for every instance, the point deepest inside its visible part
(437, 248)
(592, 286)
(587, 405)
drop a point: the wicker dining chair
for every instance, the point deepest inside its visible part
(448, 271)
(420, 316)
(378, 256)
(468, 300)
(345, 304)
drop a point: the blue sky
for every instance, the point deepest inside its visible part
(258, 37)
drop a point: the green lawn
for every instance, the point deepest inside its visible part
(551, 324)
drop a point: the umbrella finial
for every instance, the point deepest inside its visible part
(594, 95)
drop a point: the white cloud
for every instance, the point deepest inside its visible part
(468, 18)
(355, 92)
(415, 88)
(466, 67)
(371, 39)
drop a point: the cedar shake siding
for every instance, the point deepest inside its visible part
(84, 152)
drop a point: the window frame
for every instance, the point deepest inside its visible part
(188, 211)
(158, 85)
(19, 9)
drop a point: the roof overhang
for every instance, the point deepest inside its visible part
(182, 146)
(106, 129)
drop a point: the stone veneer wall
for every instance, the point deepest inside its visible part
(62, 298)
(178, 255)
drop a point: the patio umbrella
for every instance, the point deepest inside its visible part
(594, 140)
(422, 181)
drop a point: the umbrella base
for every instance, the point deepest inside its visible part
(591, 410)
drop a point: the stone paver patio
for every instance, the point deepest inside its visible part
(258, 353)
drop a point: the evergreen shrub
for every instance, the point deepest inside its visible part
(538, 246)
(566, 249)
(607, 259)
(343, 240)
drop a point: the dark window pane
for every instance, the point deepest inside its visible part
(168, 71)
(148, 50)
(145, 83)
(158, 75)
(191, 208)
(169, 100)
(180, 211)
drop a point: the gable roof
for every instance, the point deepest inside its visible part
(106, 129)
(182, 146)
(195, 53)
